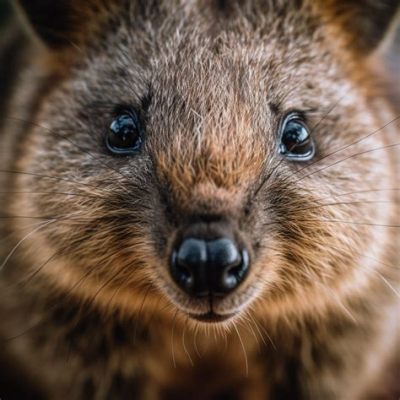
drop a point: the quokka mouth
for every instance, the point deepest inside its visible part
(212, 317)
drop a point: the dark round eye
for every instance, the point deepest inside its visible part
(125, 134)
(295, 141)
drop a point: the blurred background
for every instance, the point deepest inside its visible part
(391, 52)
(4, 11)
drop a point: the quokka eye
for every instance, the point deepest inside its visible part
(125, 134)
(296, 142)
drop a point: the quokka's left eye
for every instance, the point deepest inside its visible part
(125, 134)
(296, 142)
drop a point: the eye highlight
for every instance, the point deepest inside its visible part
(125, 134)
(296, 143)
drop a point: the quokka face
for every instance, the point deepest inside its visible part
(215, 159)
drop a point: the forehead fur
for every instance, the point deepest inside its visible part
(213, 72)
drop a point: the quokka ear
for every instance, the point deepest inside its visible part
(362, 23)
(59, 23)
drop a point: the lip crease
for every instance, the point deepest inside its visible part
(211, 317)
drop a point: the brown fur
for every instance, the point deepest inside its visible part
(90, 308)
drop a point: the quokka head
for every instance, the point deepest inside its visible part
(207, 158)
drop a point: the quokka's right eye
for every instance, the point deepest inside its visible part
(296, 142)
(125, 134)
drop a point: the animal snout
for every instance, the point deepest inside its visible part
(204, 267)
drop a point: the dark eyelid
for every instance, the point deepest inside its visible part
(125, 109)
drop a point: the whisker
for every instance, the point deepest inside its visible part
(103, 286)
(396, 292)
(314, 128)
(196, 348)
(64, 137)
(338, 301)
(338, 221)
(349, 145)
(57, 193)
(357, 252)
(359, 192)
(172, 339)
(41, 176)
(344, 203)
(155, 309)
(25, 280)
(115, 292)
(258, 327)
(17, 336)
(44, 319)
(383, 278)
(270, 174)
(140, 311)
(250, 328)
(348, 158)
(184, 344)
(15, 248)
(325, 157)
(244, 350)
(58, 218)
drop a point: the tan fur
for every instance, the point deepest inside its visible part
(90, 307)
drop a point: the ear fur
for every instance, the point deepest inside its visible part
(51, 20)
(58, 23)
(362, 23)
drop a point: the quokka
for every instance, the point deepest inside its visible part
(199, 200)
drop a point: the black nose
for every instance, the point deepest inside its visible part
(202, 267)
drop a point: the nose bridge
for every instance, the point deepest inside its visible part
(214, 162)
(214, 227)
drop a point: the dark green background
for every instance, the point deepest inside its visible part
(4, 11)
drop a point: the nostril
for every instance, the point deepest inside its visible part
(192, 253)
(182, 275)
(235, 274)
(187, 266)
